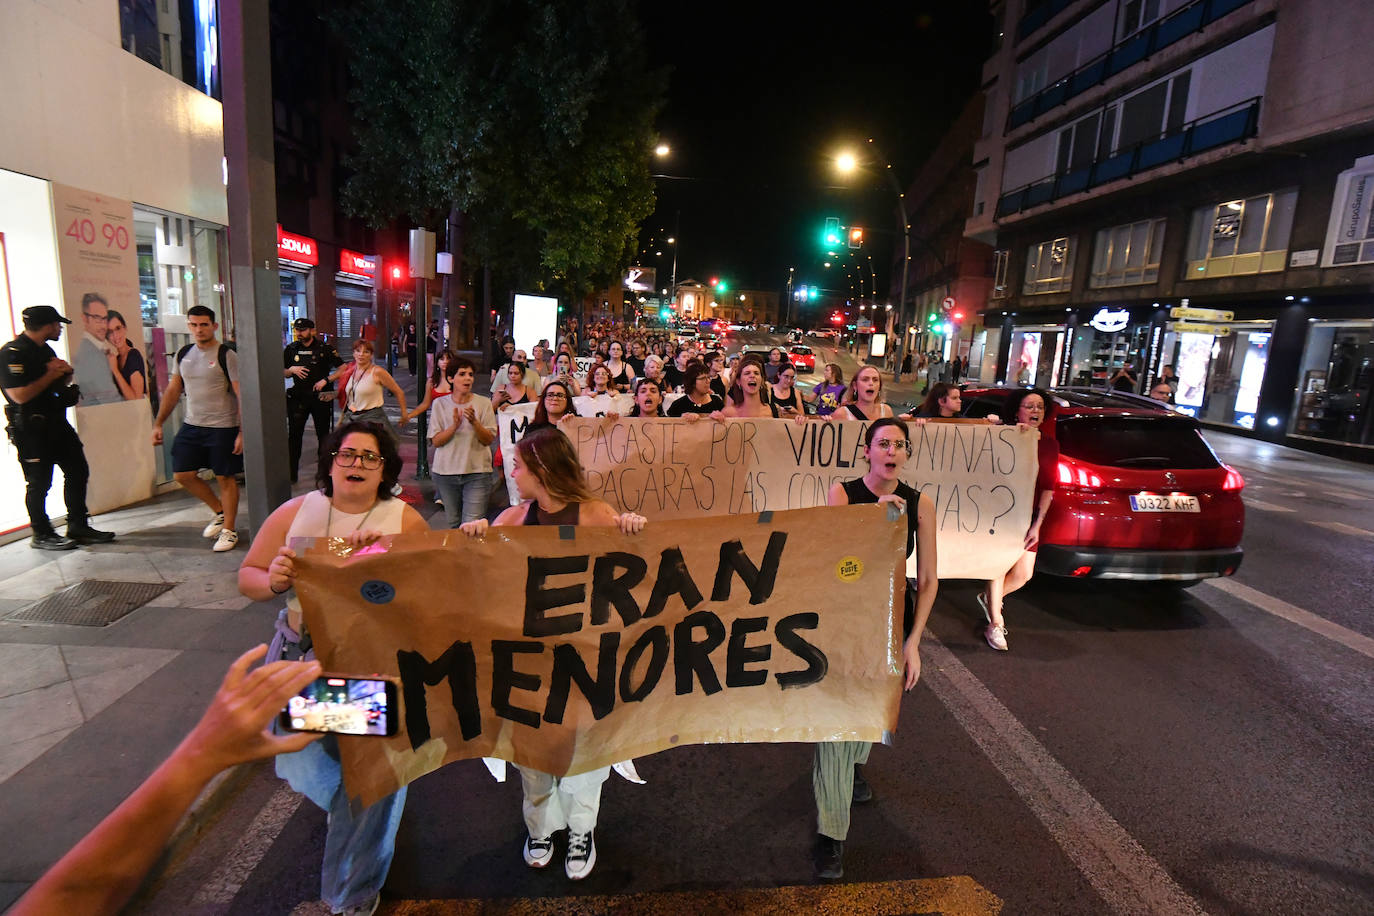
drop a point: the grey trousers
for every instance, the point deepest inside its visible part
(832, 779)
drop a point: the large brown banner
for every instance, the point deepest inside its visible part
(98, 260)
(980, 477)
(567, 649)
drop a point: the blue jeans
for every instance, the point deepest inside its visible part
(467, 492)
(358, 848)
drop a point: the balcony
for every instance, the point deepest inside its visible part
(1149, 40)
(1229, 125)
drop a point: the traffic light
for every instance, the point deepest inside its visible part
(831, 235)
(813, 293)
(666, 314)
(720, 285)
(856, 237)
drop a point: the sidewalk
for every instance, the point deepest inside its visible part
(89, 711)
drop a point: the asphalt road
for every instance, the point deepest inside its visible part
(1139, 749)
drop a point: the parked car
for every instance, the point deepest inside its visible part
(802, 358)
(1141, 495)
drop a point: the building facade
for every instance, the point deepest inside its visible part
(111, 186)
(1185, 183)
(946, 264)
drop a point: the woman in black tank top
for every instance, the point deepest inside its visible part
(836, 778)
(549, 477)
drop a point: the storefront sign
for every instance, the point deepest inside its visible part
(1187, 314)
(1109, 321)
(1307, 258)
(640, 279)
(350, 262)
(1216, 330)
(297, 249)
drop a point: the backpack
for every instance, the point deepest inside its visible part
(222, 357)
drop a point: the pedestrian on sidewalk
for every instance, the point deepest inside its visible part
(308, 361)
(38, 390)
(836, 779)
(358, 470)
(208, 371)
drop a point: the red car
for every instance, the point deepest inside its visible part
(1141, 494)
(802, 358)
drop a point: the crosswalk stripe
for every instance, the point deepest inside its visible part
(1252, 503)
(259, 836)
(956, 896)
(1127, 877)
(1294, 614)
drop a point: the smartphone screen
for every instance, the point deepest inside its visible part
(344, 705)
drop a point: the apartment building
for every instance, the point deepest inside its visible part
(1187, 183)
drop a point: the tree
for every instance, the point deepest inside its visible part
(534, 117)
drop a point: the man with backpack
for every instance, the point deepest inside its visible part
(209, 437)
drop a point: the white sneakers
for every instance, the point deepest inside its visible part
(227, 540)
(996, 637)
(215, 527)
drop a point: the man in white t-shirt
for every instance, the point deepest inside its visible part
(462, 426)
(209, 437)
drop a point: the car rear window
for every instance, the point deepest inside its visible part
(802, 351)
(1134, 442)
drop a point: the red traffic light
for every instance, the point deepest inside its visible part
(395, 273)
(957, 316)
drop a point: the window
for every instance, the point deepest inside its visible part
(1247, 236)
(1135, 15)
(999, 274)
(1128, 254)
(1154, 111)
(1078, 145)
(1049, 267)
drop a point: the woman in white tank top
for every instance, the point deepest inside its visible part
(358, 467)
(363, 393)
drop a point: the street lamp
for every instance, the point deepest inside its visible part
(847, 162)
(662, 150)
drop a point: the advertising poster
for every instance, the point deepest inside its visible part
(98, 263)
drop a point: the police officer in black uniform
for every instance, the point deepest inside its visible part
(38, 390)
(308, 362)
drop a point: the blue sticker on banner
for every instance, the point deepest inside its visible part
(377, 591)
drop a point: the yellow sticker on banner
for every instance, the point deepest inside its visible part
(850, 569)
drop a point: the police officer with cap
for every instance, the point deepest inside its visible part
(38, 390)
(308, 361)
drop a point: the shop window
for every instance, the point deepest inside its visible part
(1219, 378)
(1336, 383)
(1049, 267)
(1248, 236)
(1128, 254)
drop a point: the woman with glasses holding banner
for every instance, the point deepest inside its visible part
(550, 479)
(359, 466)
(835, 775)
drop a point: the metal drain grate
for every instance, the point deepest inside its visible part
(93, 603)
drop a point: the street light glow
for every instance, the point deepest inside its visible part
(846, 162)
(662, 150)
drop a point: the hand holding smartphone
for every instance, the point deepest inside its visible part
(344, 705)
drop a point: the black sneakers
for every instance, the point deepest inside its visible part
(863, 792)
(51, 541)
(85, 534)
(829, 858)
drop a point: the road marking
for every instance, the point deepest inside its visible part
(957, 896)
(1342, 528)
(1118, 868)
(1247, 471)
(1294, 614)
(230, 877)
(1252, 503)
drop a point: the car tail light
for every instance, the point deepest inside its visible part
(1233, 482)
(1081, 571)
(1071, 475)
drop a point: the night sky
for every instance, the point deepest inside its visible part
(759, 100)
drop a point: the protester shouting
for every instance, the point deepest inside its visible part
(359, 466)
(835, 775)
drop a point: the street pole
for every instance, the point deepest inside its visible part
(255, 282)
